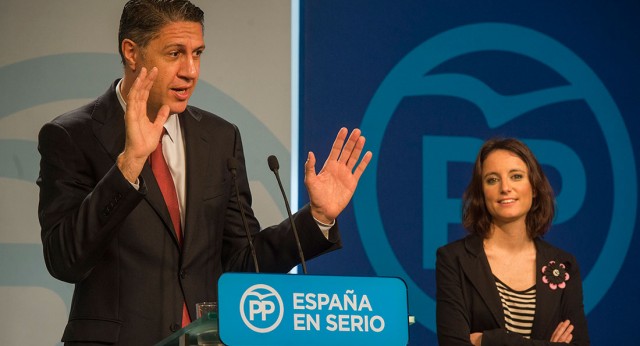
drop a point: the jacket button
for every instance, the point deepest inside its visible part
(174, 327)
(183, 274)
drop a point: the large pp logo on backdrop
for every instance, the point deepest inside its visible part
(410, 77)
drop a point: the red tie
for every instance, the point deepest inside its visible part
(167, 187)
(165, 182)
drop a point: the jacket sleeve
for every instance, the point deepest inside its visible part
(275, 246)
(573, 306)
(452, 316)
(501, 337)
(78, 214)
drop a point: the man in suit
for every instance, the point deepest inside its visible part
(141, 254)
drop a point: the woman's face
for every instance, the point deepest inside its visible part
(508, 194)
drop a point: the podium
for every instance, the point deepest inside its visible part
(201, 331)
(286, 309)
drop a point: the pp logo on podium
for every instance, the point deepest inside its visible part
(261, 308)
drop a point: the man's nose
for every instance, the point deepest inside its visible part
(189, 68)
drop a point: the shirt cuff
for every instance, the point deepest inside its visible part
(324, 228)
(136, 185)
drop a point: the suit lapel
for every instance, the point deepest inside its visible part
(197, 152)
(109, 129)
(108, 122)
(547, 300)
(476, 268)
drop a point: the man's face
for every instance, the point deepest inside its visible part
(176, 53)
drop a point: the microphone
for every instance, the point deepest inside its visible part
(274, 166)
(232, 165)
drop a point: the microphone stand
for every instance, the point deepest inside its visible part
(274, 166)
(232, 164)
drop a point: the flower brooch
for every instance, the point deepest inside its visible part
(555, 275)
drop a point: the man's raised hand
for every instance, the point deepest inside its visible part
(143, 130)
(332, 188)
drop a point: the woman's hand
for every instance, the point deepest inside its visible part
(563, 332)
(476, 339)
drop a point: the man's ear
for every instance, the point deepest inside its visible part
(130, 52)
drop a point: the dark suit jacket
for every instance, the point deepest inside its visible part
(117, 244)
(468, 300)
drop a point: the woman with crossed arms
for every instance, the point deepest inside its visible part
(502, 284)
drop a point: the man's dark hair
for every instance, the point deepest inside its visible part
(475, 216)
(142, 20)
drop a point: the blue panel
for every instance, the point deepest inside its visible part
(428, 81)
(281, 309)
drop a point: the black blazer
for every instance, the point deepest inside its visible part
(117, 244)
(468, 300)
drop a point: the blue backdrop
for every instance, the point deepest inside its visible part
(428, 81)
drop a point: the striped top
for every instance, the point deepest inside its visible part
(519, 308)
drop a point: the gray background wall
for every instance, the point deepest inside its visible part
(58, 55)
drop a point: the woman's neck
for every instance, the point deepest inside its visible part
(508, 237)
(512, 256)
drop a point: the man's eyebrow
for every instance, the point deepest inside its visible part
(174, 45)
(182, 46)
